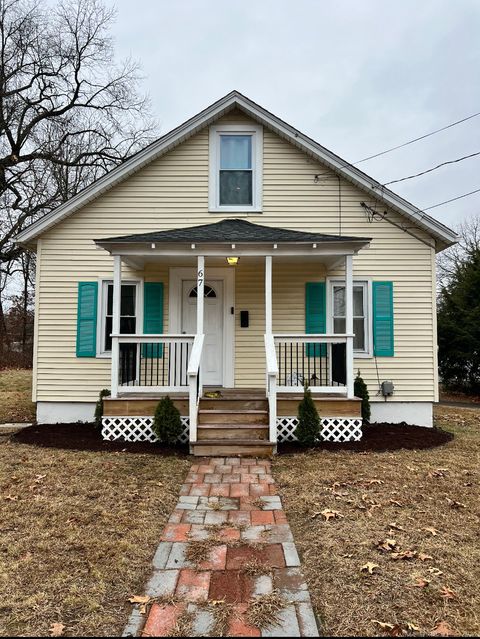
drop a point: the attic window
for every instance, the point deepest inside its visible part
(235, 168)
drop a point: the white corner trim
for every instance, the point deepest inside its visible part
(227, 274)
(65, 412)
(209, 115)
(256, 131)
(413, 413)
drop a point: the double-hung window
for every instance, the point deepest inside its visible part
(235, 168)
(361, 319)
(128, 313)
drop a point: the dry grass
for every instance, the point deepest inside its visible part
(15, 396)
(263, 611)
(78, 531)
(426, 501)
(255, 568)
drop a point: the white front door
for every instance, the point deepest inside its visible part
(212, 357)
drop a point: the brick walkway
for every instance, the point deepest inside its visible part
(231, 505)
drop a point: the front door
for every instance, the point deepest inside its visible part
(212, 356)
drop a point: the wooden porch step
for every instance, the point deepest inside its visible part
(232, 416)
(233, 403)
(232, 447)
(232, 431)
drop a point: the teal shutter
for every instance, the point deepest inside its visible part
(152, 316)
(87, 319)
(315, 315)
(383, 340)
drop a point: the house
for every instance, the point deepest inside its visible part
(239, 256)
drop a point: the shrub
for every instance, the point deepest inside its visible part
(99, 407)
(361, 391)
(308, 428)
(167, 424)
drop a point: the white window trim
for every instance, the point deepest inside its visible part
(102, 311)
(367, 282)
(214, 168)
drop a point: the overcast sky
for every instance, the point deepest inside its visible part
(359, 76)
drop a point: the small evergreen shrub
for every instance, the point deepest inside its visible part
(361, 391)
(308, 427)
(99, 406)
(167, 424)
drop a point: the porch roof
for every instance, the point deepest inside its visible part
(231, 230)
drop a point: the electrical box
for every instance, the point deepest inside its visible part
(244, 319)
(387, 388)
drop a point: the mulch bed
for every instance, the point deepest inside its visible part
(382, 438)
(87, 437)
(376, 437)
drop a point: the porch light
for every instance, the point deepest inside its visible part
(232, 261)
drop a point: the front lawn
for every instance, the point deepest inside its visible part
(16, 396)
(410, 516)
(78, 530)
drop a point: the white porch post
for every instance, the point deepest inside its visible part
(117, 287)
(200, 289)
(349, 322)
(268, 294)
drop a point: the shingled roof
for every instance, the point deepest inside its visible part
(231, 230)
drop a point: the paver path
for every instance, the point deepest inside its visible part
(232, 506)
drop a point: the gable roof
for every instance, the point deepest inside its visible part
(230, 230)
(231, 101)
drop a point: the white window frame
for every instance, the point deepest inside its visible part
(102, 311)
(367, 287)
(214, 168)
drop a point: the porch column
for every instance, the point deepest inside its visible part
(268, 294)
(349, 322)
(117, 288)
(200, 289)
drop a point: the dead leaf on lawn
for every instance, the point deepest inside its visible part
(331, 514)
(448, 593)
(396, 526)
(387, 545)
(394, 502)
(421, 582)
(369, 567)
(404, 554)
(424, 557)
(433, 531)
(11, 497)
(56, 629)
(412, 627)
(442, 629)
(375, 481)
(435, 571)
(455, 504)
(142, 601)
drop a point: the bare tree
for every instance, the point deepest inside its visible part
(449, 261)
(68, 111)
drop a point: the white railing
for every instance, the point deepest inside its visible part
(149, 363)
(323, 360)
(194, 384)
(272, 372)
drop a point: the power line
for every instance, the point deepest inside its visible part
(459, 197)
(410, 177)
(422, 137)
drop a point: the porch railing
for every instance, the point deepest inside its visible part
(164, 363)
(324, 361)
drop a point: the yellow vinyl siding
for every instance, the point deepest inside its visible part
(173, 192)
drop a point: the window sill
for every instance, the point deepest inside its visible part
(362, 355)
(103, 356)
(239, 210)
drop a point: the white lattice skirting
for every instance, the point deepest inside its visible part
(136, 429)
(333, 429)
